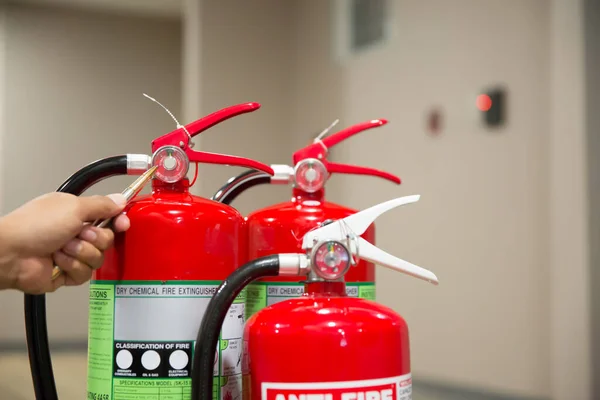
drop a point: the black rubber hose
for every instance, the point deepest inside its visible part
(214, 316)
(35, 305)
(239, 184)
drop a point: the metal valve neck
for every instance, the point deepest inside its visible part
(337, 289)
(160, 187)
(299, 195)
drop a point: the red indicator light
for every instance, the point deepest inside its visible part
(484, 102)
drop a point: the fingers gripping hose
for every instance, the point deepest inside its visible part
(239, 184)
(35, 305)
(210, 328)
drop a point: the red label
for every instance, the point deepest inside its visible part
(397, 388)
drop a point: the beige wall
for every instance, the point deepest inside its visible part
(74, 94)
(246, 57)
(191, 89)
(317, 80)
(569, 209)
(592, 88)
(483, 224)
(3, 40)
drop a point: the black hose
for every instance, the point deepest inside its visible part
(35, 305)
(210, 328)
(239, 184)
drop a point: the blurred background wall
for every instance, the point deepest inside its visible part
(246, 55)
(592, 83)
(506, 215)
(73, 94)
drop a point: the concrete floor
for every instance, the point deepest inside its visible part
(70, 373)
(69, 370)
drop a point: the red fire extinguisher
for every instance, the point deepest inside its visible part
(278, 228)
(147, 300)
(323, 345)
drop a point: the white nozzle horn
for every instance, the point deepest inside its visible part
(369, 252)
(357, 224)
(360, 221)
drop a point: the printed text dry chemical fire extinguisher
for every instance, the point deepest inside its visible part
(146, 300)
(278, 228)
(323, 345)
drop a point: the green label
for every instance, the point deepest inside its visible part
(262, 294)
(100, 341)
(367, 292)
(142, 337)
(256, 298)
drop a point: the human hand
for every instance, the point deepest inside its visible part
(53, 230)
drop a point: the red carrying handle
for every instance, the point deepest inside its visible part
(354, 169)
(320, 149)
(180, 138)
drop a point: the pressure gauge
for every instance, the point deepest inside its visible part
(330, 260)
(173, 164)
(310, 175)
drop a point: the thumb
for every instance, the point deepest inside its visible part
(92, 208)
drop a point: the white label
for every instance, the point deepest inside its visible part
(143, 315)
(154, 319)
(395, 388)
(159, 291)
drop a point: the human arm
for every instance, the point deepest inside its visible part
(53, 229)
(8, 272)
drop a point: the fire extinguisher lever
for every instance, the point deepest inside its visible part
(349, 229)
(358, 222)
(318, 150)
(320, 147)
(344, 134)
(310, 170)
(182, 138)
(354, 169)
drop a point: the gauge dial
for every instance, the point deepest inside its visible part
(331, 260)
(172, 164)
(310, 175)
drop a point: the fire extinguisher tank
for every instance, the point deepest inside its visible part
(175, 235)
(280, 227)
(322, 345)
(149, 297)
(354, 345)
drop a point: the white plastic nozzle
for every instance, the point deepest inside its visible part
(351, 227)
(369, 252)
(357, 223)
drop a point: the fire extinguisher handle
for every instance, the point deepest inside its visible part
(350, 228)
(181, 137)
(319, 148)
(219, 116)
(344, 134)
(354, 169)
(224, 159)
